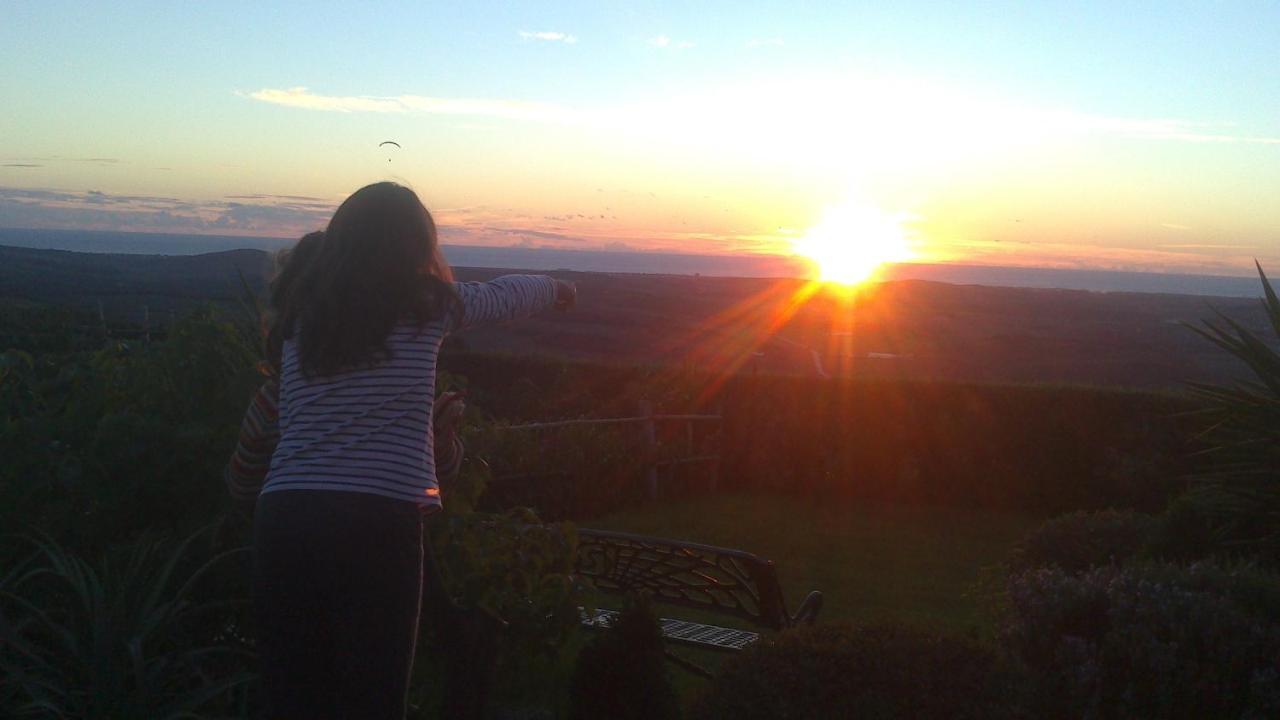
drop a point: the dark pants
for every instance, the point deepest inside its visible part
(337, 587)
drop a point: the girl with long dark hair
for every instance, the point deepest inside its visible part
(337, 544)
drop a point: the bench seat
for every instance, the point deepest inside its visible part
(711, 637)
(704, 578)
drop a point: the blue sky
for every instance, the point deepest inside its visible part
(1111, 134)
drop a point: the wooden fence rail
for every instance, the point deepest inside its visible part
(647, 419)
(608, 421)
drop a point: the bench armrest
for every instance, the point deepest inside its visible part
(807, 613)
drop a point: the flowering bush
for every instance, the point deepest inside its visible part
(1151, 641)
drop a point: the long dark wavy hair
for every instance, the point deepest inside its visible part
(339, 293)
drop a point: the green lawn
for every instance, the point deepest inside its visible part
(873, 562)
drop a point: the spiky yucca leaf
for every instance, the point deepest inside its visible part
(1239, 491)
(124, 637)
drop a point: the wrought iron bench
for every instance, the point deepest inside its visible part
(690, 575)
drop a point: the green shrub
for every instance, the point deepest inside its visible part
(1150, 641)
(1081, 540)
(839, 671)
(621, 674)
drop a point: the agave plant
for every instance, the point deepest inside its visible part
(1239, 492)
(125, 637)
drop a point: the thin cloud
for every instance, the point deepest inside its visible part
(531, 232)
(44, 161)
(1170, 258)
(1208, 246)
(300, 97)
(261, 196)
(97, 210)
(549, 36)
(1175, 226)
(896, 111)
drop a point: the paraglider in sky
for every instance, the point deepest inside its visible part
(389, 142)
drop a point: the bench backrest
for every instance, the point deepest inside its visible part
(692, 575)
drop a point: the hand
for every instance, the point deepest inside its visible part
(566, 295)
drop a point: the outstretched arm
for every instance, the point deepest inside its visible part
(510, 297)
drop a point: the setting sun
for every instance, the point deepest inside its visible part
(852, 241)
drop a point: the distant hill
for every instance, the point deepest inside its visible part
(125, 283)
(910, 329)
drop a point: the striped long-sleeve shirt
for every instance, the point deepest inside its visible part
(369, 429)
(259, 433)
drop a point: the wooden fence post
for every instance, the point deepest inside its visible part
(713, 476)
(649, 449)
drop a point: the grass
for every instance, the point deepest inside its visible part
(873, 562)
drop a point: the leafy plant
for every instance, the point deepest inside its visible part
(125, 637)
(512, 567)
(517, 568)
(1239, 494)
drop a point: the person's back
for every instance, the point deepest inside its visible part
(338, 525)
(368, 429)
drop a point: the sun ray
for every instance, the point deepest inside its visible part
(767, 327)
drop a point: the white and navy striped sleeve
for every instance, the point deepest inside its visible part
(509, 297)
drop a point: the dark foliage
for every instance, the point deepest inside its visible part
(132, 635)
(499, 629)
(1189, 529)
(1037, 448)
(839, 671)
(1157, 641)
(41, 330)
(621, 674)
(101, 446)
(1081, 540)
(111, 445)
(1237, 498)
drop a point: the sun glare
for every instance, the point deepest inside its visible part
(853, 241)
